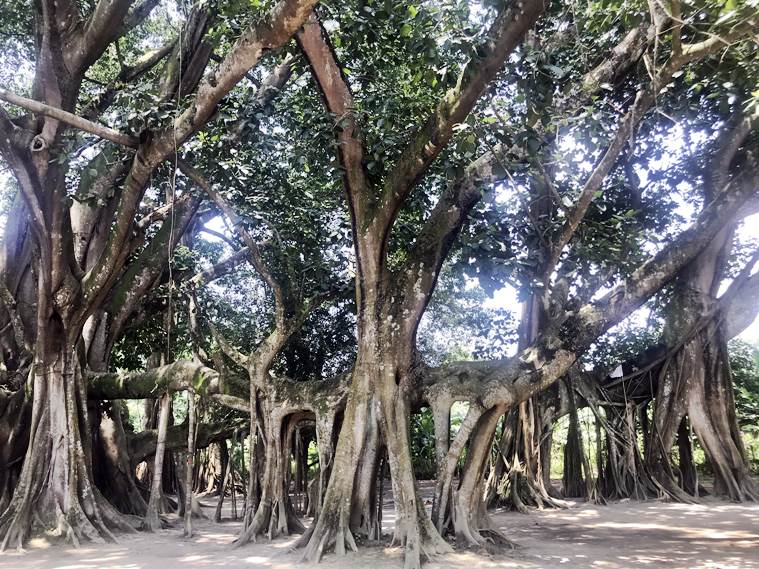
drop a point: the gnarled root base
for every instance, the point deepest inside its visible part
(271, 519)
(89, 518)
(475, 532)
(330, 530)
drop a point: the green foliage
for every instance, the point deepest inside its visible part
(744, 364)
(423, 444)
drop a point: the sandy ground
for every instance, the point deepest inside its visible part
(711, 535)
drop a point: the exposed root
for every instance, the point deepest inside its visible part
(339, 537)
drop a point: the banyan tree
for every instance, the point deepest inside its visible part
(266, 218)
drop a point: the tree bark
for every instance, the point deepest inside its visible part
(152, 521)
(55, 492)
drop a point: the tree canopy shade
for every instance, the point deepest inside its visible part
(279, 207)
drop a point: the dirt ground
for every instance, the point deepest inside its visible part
(710, 535)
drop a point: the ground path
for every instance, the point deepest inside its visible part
(710, 535)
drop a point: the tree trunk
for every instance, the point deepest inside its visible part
(711, 412)
(15, 411)
(274, 514)
(189, 464)
(573, 480)
(698, 382)
(55, 492)
(116, 479)
(224, 480)
(471, 523)
(687, 468)
(376, 383)
(152, 520)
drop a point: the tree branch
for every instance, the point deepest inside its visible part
(254, 253)
(338, 98)
(504, 36)
(221, 268)
(178, 376)
(69, 118)
(230, 351)
(129, 73)
(274, 31)
(439, 232)
(138, 15)
(102, 27)
(644, 99)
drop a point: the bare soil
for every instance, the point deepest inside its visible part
(709, 535)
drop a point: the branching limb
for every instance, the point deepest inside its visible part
(221, 268)
(102, 27)
(138, 14)
(177, 376)
(504, 36)
(127, 74)
(644, 99)
(327, 72)
(739, 305)
(71, 119)
(551, 355)
(254, 253)
(442, 227)
(142, 445)
(230, 351)
(274, 31)
(143, 271)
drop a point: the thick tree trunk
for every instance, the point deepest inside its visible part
(413, 527)
(332, 527)
(711, 412)
(697, 382)
(471, 522)
(55, 492)
(364, 520)
(377, 384)
(274, 515)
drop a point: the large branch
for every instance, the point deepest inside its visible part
(142, 445)
(221, 268)
(338, 98)
(178, 376)
(554, 352)
(228, 349)
(504, 36)
(619, 59)
(137, 15)
(740, 303)
(102, 27)
(644, 100)
(69, 118)
(273, 32)
(143, 272)
(441, 228)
